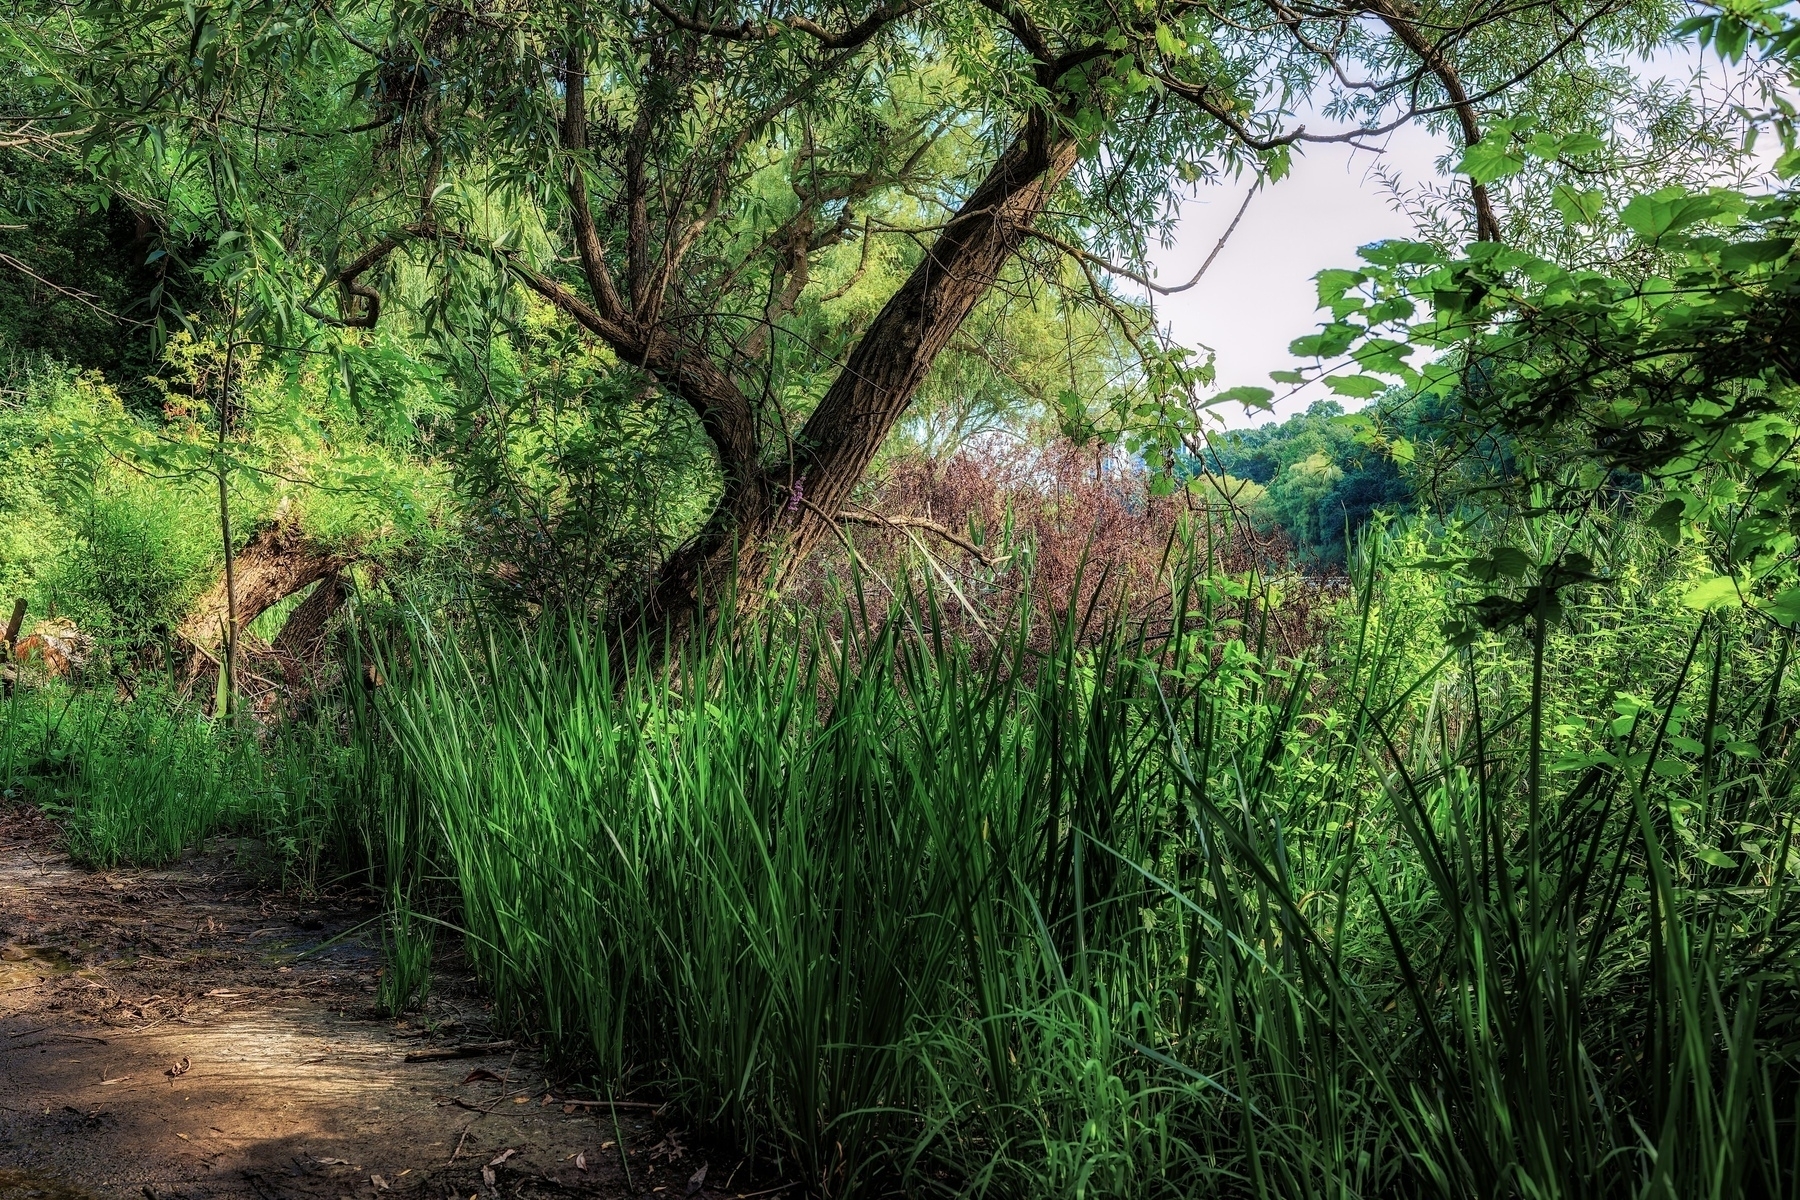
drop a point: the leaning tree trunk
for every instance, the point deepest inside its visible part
(766, 526)
(277, 562)
(302, 638)
(769, 517)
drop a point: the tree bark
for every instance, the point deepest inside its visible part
(302, 636)
(277, 562)
(762, 531)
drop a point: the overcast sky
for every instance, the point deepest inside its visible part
(1259, 295)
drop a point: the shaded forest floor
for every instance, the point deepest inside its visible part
(189, 1033)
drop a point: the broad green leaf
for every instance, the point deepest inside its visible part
(1711, 593)
(1578, 206)
(1489, 159)
(1249, 397)
(1397, 253)
(1359, 387)
(1332, 341)
(1666, 521)
(1509, 561)
(1577, 144)
(1786, 606)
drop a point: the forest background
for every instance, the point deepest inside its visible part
(699, 504)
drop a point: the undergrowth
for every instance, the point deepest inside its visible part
(1157, 913)
(1113, 908)
(140, 781)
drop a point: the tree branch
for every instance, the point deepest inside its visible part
(759, 31)
(1141, 280)
(574, 136)
(869, 517)
(722, 409)
(1487, 225)
(347, 281)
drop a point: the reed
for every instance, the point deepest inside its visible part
(1150, 913)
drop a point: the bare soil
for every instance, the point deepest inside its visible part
(191, 1032)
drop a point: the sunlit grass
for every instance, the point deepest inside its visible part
(1153, 912)
(1133, 920)
(140, 781)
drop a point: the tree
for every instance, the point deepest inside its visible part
(1314, 478)
(676, 177)
(1670, 370)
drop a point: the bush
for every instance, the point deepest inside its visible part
(140, 555)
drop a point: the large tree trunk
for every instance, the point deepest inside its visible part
(302, 637)
(761, 531)
(768, 518)
(279, 561)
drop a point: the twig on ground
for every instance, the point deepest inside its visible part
(473, 1050)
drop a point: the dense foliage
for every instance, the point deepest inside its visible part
(1311, 476)
(698, 504)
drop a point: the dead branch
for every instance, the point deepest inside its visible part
(929, 526)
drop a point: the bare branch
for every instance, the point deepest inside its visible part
(1141, 280)
(869, 517)
(1487, 225)
(75, 294)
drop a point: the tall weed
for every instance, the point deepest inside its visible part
(1135, 915)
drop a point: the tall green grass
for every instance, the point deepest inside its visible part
(140, 781)
(1155, 913)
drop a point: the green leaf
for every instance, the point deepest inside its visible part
(1332, 341)
(1711, 593)
(1717, 858)
(1398, 253)
(1740, 255)
(1578, 206)
(1359, 387)
(1493, 157)
(1786, 606)
(1509, 561)
(1672, 209)
(1249, 397)
(1666, 521)
(1335, 281)
(1578, 144)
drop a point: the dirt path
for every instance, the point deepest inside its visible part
(183, 1033)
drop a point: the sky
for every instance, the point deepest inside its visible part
(1259, 294)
